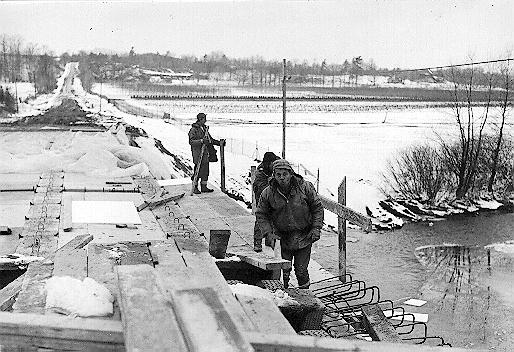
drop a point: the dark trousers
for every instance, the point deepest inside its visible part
(300, 258)
(203, 174)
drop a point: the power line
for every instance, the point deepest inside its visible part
(457, 65)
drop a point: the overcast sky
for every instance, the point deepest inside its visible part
(404, 34)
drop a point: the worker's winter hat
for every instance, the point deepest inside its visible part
(201, 116)
(269, 157)
(282, 164)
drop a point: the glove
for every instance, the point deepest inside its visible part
(315, 234)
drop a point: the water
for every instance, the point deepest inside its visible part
(479, 315)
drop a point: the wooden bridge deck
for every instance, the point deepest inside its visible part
(169, 293)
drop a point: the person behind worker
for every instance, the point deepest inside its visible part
(261, 181)
(292, 208)
(199, 136)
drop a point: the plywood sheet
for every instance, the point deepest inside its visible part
(104, 212)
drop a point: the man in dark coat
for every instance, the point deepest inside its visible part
(199, 136)
(260, 182)
(291, 208)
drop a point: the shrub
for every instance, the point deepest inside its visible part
(417, 172)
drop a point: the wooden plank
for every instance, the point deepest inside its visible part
(60, 332)
(225, 206)
(192, 245)
(377, 325)
(71, 259)
(136, 253)
(206, 325)
(287, 343)
(47, 198)
(350, 215)
(45, 247)
(265, 315)
(260, 260)
(32, 297)
(166, 253)
(176, 277)
(112, 234)
(100, 266)
(44, 211)
(149, 323)
(243, 225)
(205, 270)
(40, 224)
(9, 293)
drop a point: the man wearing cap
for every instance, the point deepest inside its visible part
(261, 181)
(198, 136)
(292, 208)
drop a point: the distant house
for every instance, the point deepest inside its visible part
(168, 74)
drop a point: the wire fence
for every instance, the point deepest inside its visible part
(236, 146)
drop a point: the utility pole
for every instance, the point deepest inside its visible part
(284, 109)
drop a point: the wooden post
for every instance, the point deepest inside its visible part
(284, 110)
(253, 168)
(222, 163)
(341, 229)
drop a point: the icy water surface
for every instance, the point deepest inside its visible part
(475, 310)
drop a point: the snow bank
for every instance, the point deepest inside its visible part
(72, 296)
(98, 154)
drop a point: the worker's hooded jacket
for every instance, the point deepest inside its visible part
(261, 181)
(196, 134)
(291, 216)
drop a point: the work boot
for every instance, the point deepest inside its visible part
(196, 190)
(205, 189)
(257, 245)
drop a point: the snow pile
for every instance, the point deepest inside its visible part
(279, 297)
(98, 154)
(505, 247)
(72, 296)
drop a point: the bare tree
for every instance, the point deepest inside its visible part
(504, 107)
(462, 158)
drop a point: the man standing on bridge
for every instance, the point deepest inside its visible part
(291, 207)
(199, 136)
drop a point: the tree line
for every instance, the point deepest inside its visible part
(27, 62)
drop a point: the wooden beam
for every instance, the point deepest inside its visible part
(149, 323)
(350, 215)
(60, 332)
(206, 324)
(32, 297)
(287, 343)
(265, 315)
(201, 271)
(260, 260)
(71, 259)
(9, 293)
(378, 326)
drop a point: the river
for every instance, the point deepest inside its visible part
(480, 316)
